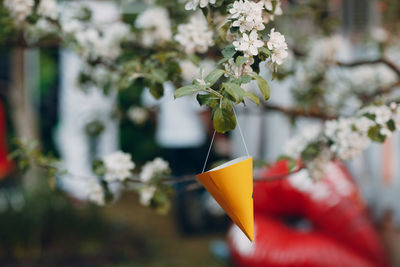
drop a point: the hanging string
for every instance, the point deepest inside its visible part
(212, 141)
(208, 153)
(240, 130)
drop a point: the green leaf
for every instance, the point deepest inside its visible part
(224, 119)
(207, 99)
(240, 60)
(310, 152)
(188, 90)
(242, 79)
(375, 134)
(157, 90)
(229, 51)
(224, 29)
(263, 86)
(252, 97)
(391, 125)
(235, 91)
(264, 53)
(214, 76)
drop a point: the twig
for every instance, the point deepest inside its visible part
(297, 112)
(388, 63)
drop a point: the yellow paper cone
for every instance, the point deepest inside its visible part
(231, 185)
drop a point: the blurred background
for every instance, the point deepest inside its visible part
(43, 97)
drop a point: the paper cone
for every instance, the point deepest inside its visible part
(231, 185)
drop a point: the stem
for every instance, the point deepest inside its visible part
(212, 91)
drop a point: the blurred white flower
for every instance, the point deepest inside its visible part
(19, 9)
(298, 143)
(317, 166)
(152, 168)
(138, 115)
(118, 166)
(192, 4)
(48, 8)
(195, 35)
(146, 194)
(156, 26)
(270, 15)
(347, 140)
(96, 194)
(379, 34)
(249, 44)
(191, 72)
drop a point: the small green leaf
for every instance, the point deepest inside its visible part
(235, 91)
(263, 86)
(252, 97)
(224, 119)
(240, 60)
(214, 76)
(391, 125)
(157, 90)
(375, 134)
(224, 29)
(207, 99)
(229, 51)
(310, 152)
(188, 90)
(264, 53)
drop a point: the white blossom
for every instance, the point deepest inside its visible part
(118, 166)
(299, 142)
(156, 25)
(249, 44)
(151, 169)
(193, 4)
(19, 9)
(48, 8)
(96, 194)
(138, 115)
(195, 35)
(279, 55)
(247, 16)
(277, 44)
(146, 195)
(348, 140)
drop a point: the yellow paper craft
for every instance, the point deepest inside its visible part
(231, 185)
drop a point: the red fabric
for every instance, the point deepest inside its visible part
(341, 233)
(5, 164)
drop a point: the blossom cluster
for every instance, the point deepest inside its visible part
(195, 36)
(156, 26)
(97, 42)
(118, 166)
(348, 135)
(151, 170)
(249, 18)
(346, 138)
(193, 4)
(20, 10)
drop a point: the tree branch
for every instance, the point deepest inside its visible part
(384, 61)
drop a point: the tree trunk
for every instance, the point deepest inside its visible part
(23, 113)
